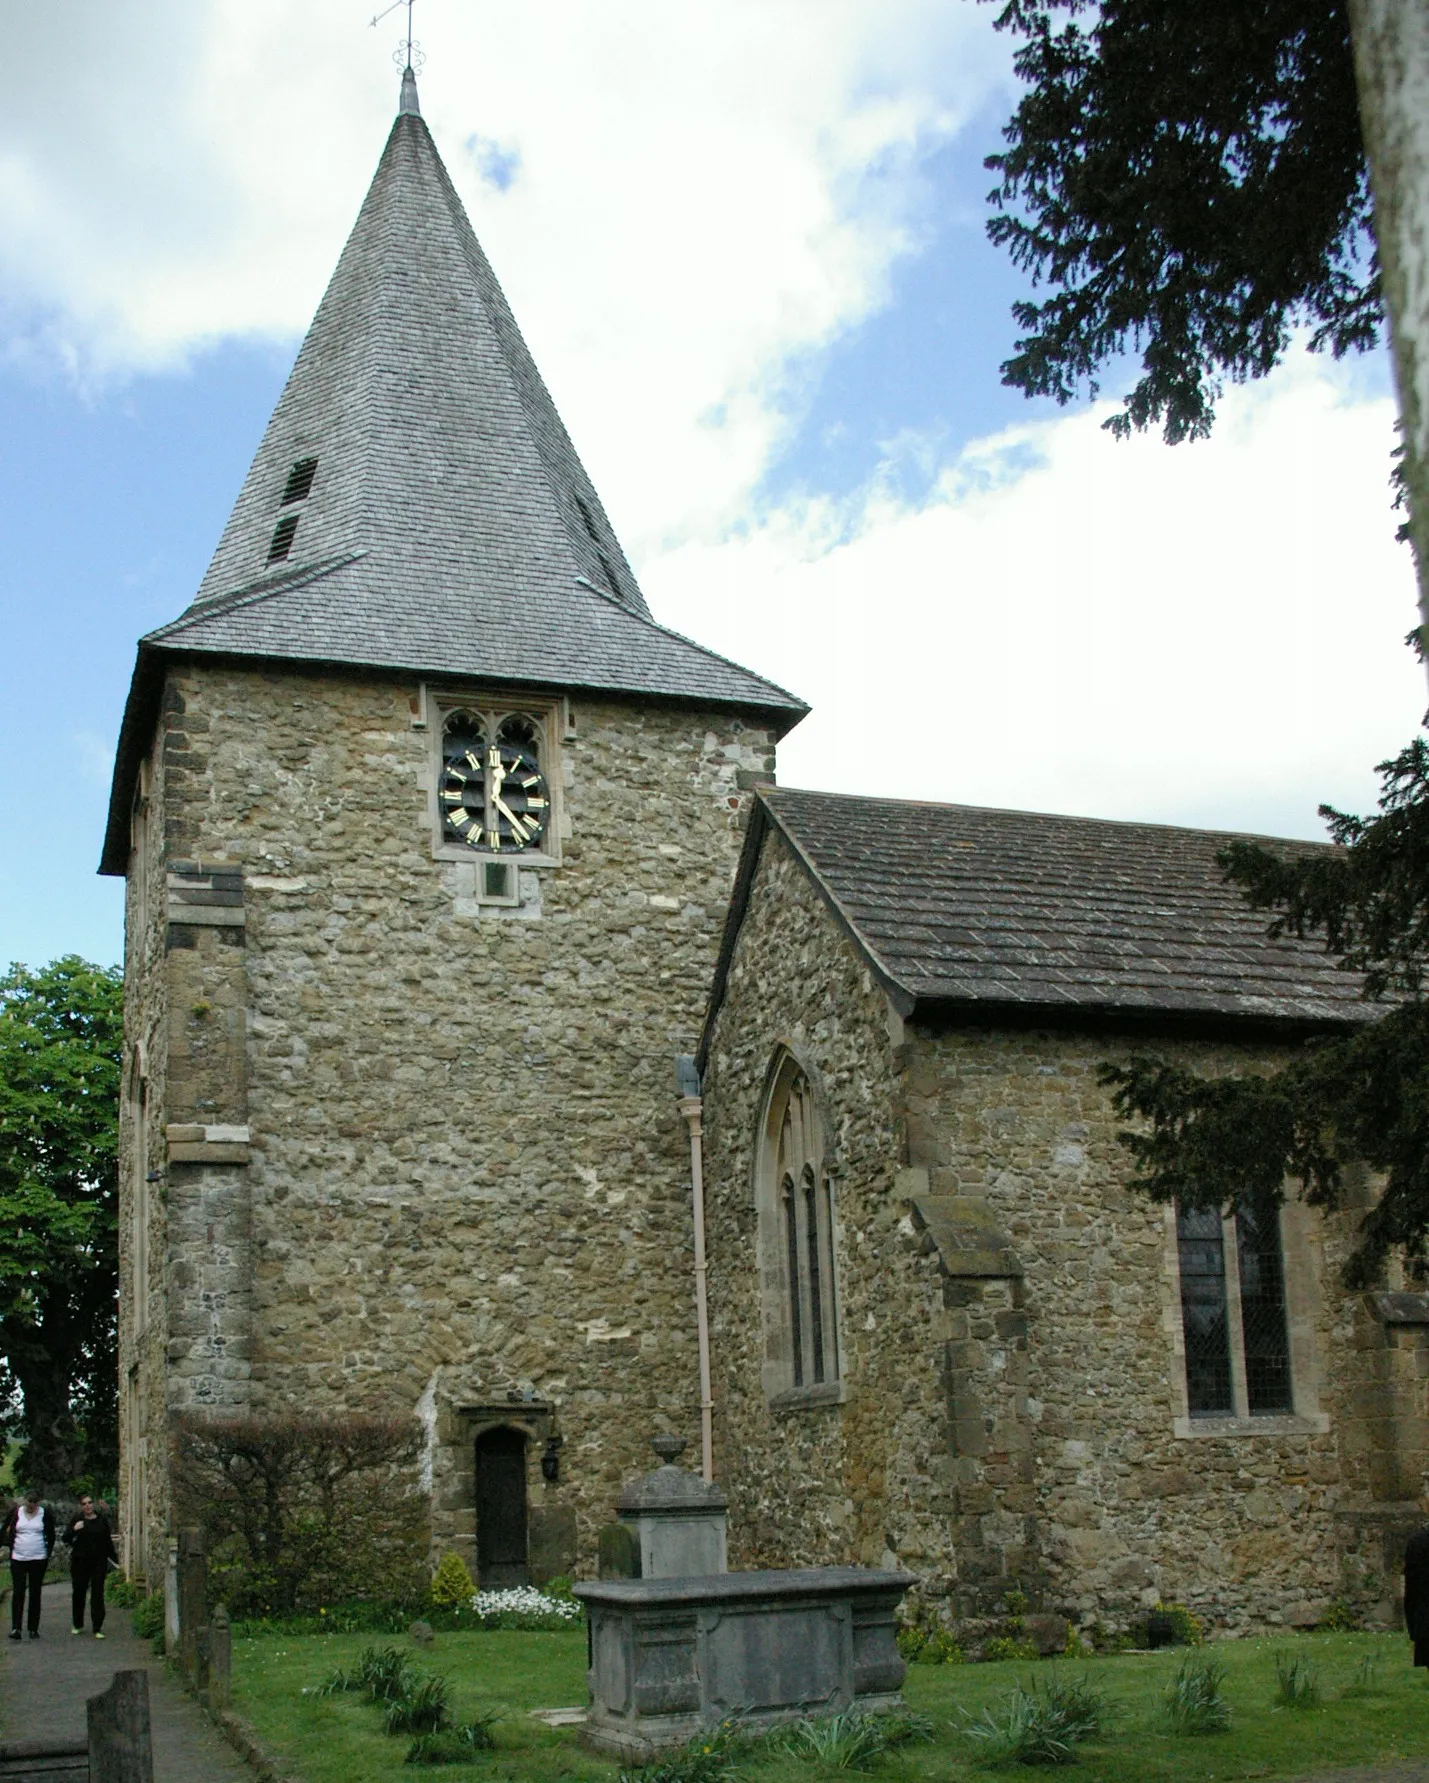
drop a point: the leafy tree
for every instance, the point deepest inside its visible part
(1191, 181)
(1213, 1142)
(61, 1034)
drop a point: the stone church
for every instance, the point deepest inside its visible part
(443, 857)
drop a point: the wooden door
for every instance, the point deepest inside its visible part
(501, 1508)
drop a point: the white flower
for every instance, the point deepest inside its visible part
(523, 1600)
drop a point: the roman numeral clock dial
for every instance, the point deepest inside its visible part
(493, 795)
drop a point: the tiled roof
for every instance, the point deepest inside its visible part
(450, 528)
(958, 905)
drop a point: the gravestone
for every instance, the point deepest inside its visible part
(669, 1657)
(171, 1597)
(192, 1596)
(217, 1680)
(678, 1519)
(119, 1744)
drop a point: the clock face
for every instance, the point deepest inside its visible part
(493, 794)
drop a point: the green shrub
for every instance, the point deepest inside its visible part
(1006, 1646)
(451, 1583)
(1084, 1703)
(1194, 1700)
(709, 1758)
(941, 1649)
(380, 1672)
(910, 1640)
(1366, 1680)
(1297, 1681)
(852, 1741)
(303, 1511)
(1341, 1617)
(455, 1745)
(147, 1617)
(1188, 1629)
(1039, 1724)
(422, 1707)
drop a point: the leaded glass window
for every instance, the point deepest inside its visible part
(1201, 1251)
(1262, 1310)
(1233, 1319)
(797, 1237)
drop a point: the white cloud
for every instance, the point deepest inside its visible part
(702, 192)
(684, 202)
(1207, 633)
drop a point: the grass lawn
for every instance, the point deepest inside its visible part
(338, 1739)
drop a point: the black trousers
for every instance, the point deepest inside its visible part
(26, 1578)
(91, 1579)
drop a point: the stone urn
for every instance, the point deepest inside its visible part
(677, 1518)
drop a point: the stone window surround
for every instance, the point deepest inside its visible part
(787, 1063)
(552, 713)
(1301, 1308)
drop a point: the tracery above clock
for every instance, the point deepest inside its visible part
(492, 793)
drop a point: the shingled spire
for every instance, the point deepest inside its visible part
(416, 502)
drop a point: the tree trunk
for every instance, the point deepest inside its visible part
(53, 1446)
(1391, 39)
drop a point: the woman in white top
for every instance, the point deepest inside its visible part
(29, 1533)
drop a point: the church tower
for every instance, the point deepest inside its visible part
(429, 831)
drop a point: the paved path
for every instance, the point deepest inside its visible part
(44, 1684)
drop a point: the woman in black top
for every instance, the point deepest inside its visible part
(91, 1553)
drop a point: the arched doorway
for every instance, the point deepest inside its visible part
(501, 1558)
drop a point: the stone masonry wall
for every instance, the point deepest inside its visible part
(812, 1486)
(1003, 1429)
(143, 1332)
(469, 1179)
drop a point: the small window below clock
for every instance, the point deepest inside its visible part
(499, 882)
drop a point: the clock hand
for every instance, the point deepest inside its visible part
(517, 826)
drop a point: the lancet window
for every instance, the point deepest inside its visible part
(797, 1234)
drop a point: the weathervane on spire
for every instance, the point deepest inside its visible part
(408, 53)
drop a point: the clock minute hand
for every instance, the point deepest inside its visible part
(517, 825)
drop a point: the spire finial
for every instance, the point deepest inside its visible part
(408, 57)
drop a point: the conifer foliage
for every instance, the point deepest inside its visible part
(61, 1034)
(1191, 182)
(1358, 1099)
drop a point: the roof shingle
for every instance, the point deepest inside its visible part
(959, 905)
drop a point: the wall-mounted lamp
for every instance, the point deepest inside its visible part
(551, 1459)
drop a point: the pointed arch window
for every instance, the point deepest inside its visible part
(797, 1233)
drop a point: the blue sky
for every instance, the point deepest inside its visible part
(776, 342)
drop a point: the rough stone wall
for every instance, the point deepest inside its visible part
(143, 1331)
(1005, 1429)
(468, 1177)
(811, 1486)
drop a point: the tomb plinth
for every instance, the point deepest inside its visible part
(672, 1656)
(678, 1519)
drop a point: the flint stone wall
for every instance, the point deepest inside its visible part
(1016, 1424)
(467, 1187)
